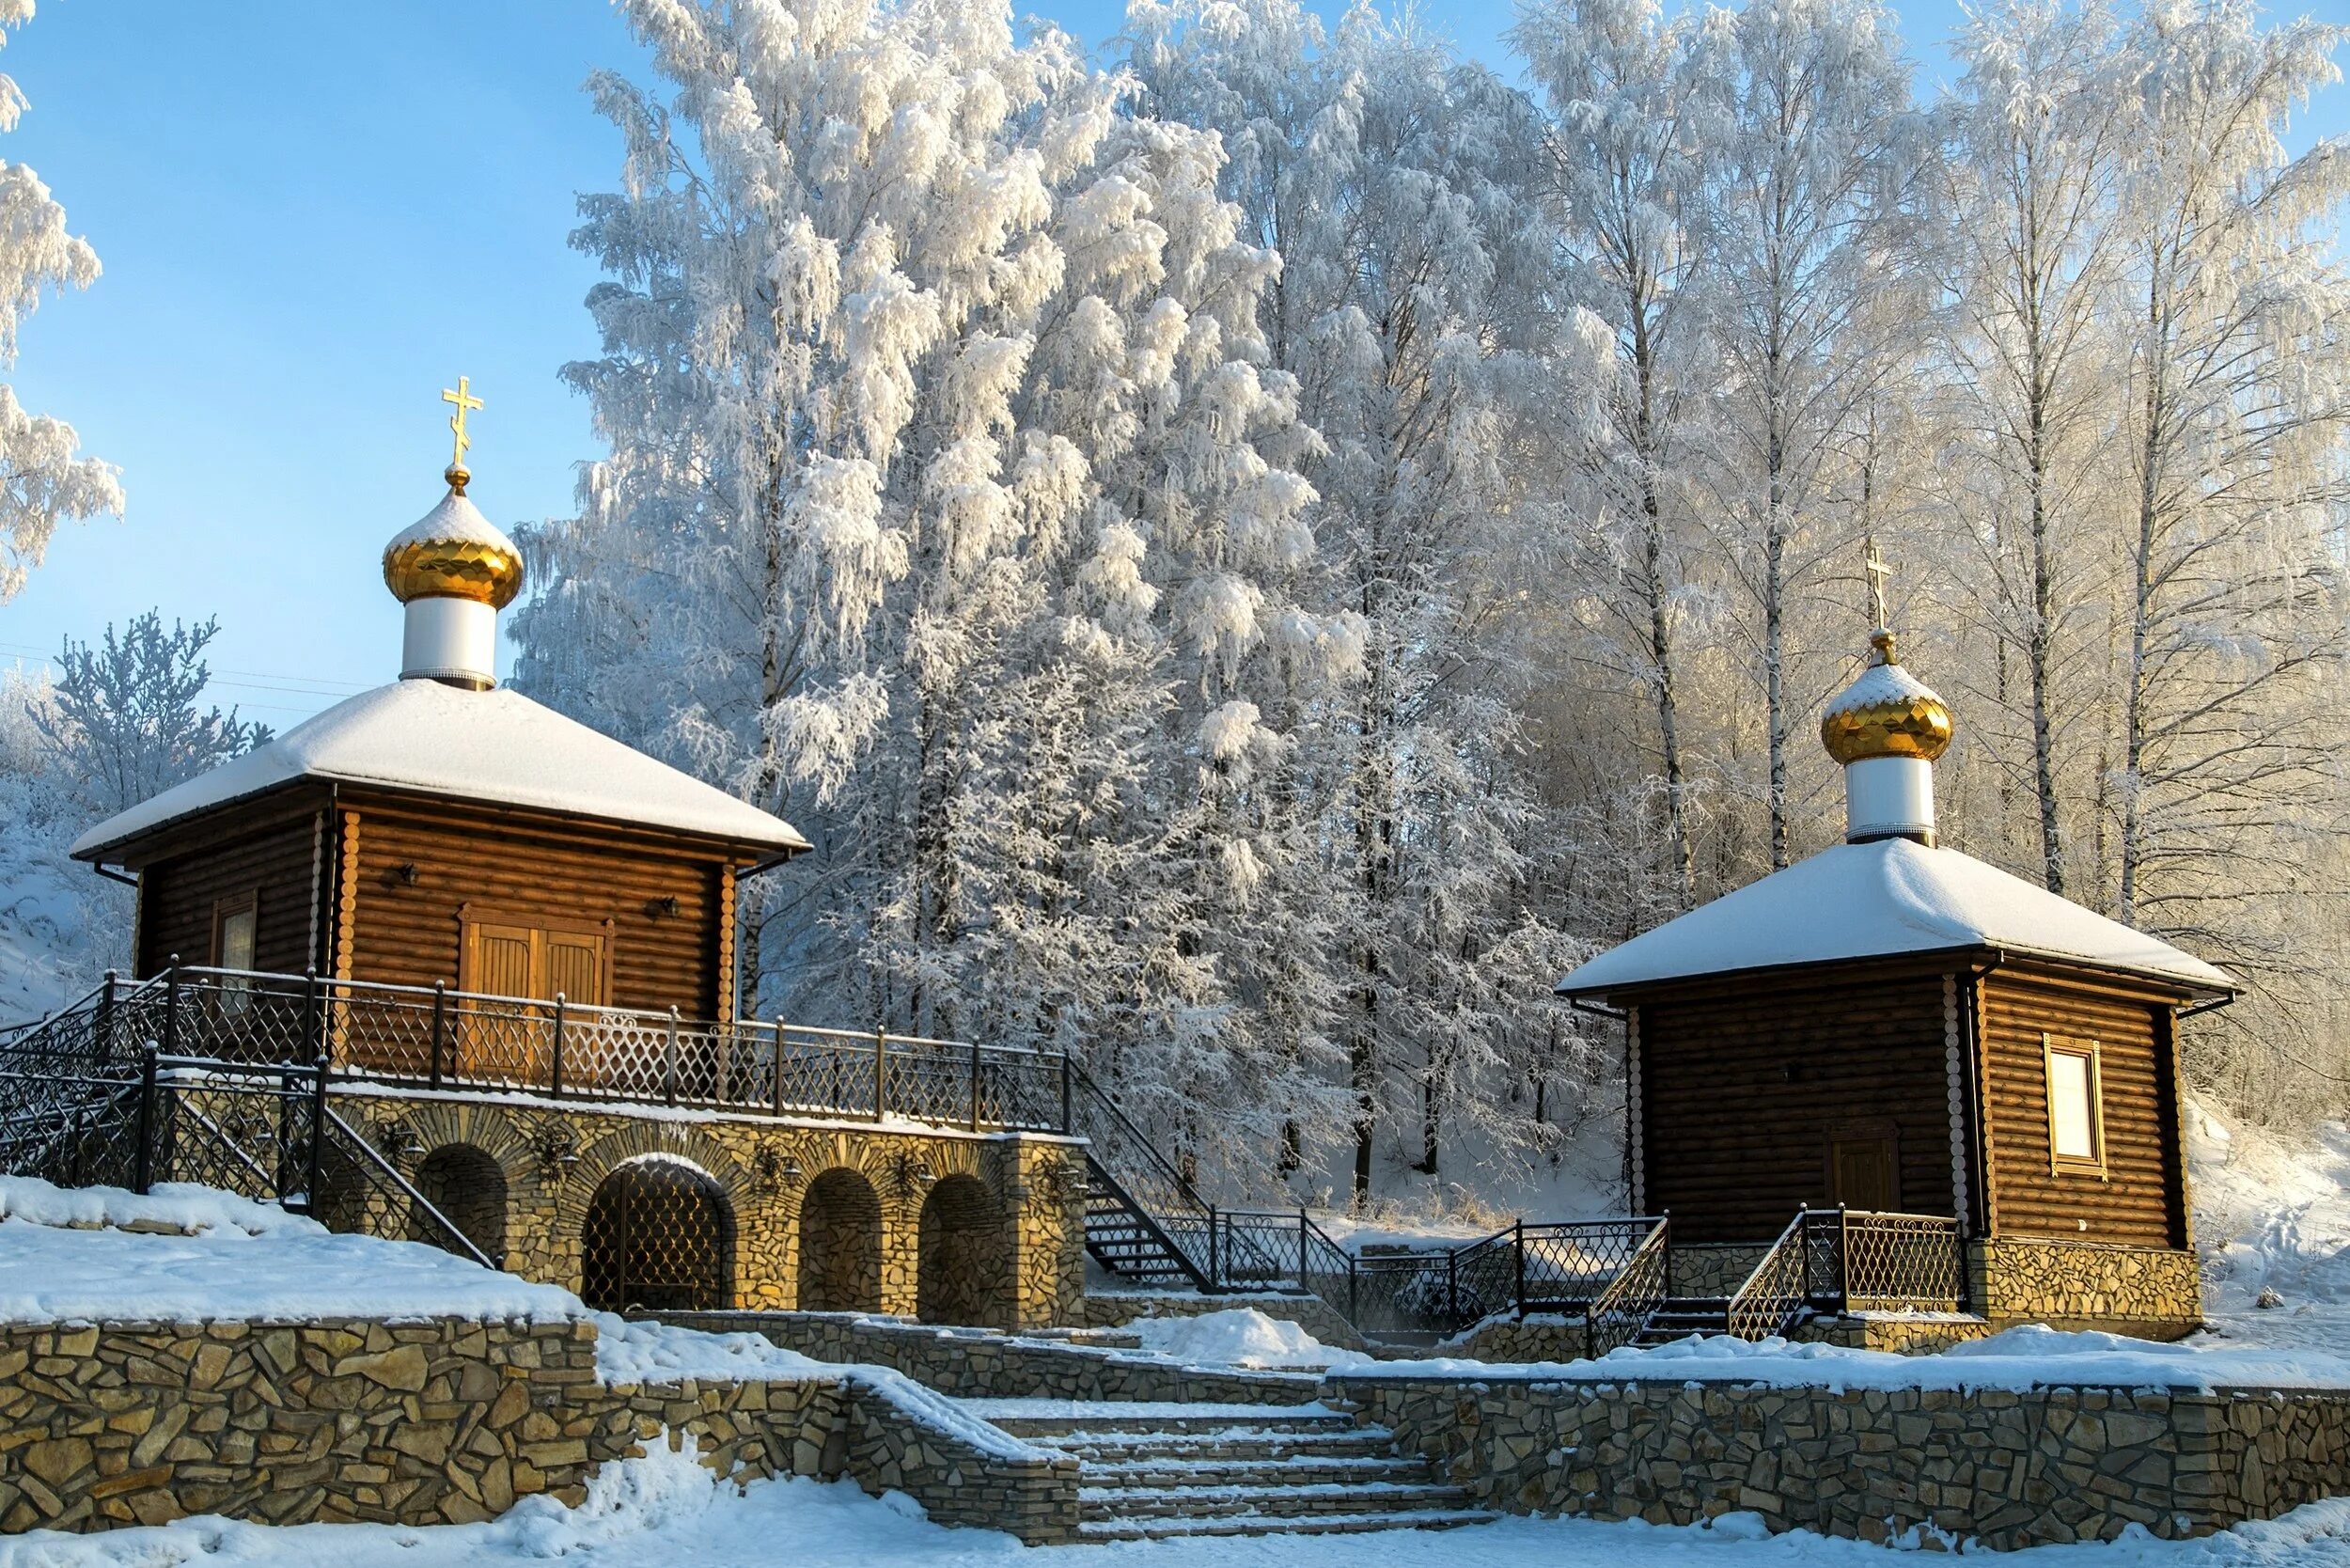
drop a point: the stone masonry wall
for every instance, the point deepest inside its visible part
(438, 1423)
(2153, 1293)
(1539, 1337)
(1712, 1268)
(553, 1156)
(990, 1365)
(2008, 1469)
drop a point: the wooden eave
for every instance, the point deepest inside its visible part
(297, 797)
(2132, 984)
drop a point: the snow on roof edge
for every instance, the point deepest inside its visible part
(1998, 949)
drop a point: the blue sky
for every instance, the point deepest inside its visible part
(312, 218)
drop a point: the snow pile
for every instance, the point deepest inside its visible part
(2272, 1214)
(641, 1352)
(190, 1254)
(2018, 1360)
(179, 1207)
(1240, 1338)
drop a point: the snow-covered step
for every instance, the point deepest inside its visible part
(1304, 1524)
(1150, 1470)
(1275, 1501)
(1228, 1469)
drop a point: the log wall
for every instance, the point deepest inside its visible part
(276, 860)
(2139, 1200)
(408, 932)
(1742, 1085)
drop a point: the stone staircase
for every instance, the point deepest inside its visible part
(1682, 1316)
(1155, 1472)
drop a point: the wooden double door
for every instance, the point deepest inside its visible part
(502, 957)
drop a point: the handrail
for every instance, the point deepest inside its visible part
(366, 1151)
(1771, 1295)
(1616, 1316)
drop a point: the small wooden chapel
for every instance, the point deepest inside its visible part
(1891, 1025)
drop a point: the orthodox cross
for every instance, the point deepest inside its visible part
(1873, 564)
(465, 403)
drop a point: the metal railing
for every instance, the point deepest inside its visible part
(436, 1038)
(1852, 1261)
(1605, 1271)
(85, 1102)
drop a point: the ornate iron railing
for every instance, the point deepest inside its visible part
(1855, 1261)
(436, 1038)
(1624, 1304)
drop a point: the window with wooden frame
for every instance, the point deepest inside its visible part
(236, 923)
(2076, 1113)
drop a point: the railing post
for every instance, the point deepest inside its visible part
(778, 1065)
(1301, 1247)
(1064, 1094)
(975, 1085)
(1844, 1257)
(1520, 1228)
(107, 1019)
(310, 1032)
(554, 1063)
(143, 1152)
(171, 1009)
(1452, 1288)
(880, 1074)
(318, 1137)
(669, 1059)
(1215, 1271)
(440, 1032)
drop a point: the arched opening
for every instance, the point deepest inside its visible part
(660, 1235)
(469, 1189)
(841, 1245)
(966, 1273)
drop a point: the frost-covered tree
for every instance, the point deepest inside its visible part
(122, 719)
(42, 480)
(1635, 113)
(1815, 165)
(1394, 179)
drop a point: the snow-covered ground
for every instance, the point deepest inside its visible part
(665, 1512)
(2272, 1214)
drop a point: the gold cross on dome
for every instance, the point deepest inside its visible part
(1873, 565)
(465, 403)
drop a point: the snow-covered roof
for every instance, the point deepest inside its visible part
(497, 746)
(1878, 683)
(1879, 900)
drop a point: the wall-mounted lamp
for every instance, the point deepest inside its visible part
(398, 1140)
(556, 1149)
(777, 1169)
(664, 909)
(406, 875)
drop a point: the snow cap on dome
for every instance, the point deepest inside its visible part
(1887, 711)
(453, 551)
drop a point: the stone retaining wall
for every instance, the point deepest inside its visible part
(1539, 1336)
(1712, 1268)
(2008, 1469)
(445, 1421)
(978, 1365)
(1902, 1333)
(2153, 1293)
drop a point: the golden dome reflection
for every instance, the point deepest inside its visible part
(1885, 713)
(454, 552)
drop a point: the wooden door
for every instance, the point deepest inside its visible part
(500, 1042)
(1864, 1172)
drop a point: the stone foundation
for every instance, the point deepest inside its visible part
(1902, 1333)
(1537, 1337)
(1712, 1268)
(2007, 1469)
(1007, 1248)
(2151, 1293)
(994, 1366)
(440, 1422)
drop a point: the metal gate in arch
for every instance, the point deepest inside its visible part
(659, 1237)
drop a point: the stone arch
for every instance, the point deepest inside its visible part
(468, 1187)
(965, 1274)
(840, 1243)
(658, 1234)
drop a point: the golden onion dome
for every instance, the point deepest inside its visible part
(453, 551)
(1885, 713)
